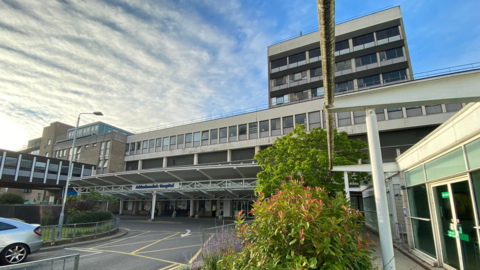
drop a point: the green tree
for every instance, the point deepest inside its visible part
(11, 198)
(94, 196)
(302, 153)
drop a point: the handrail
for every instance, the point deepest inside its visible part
(75, 257)
(72, 231)
(416, 76)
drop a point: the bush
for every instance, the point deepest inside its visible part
(88, 216)
(301, 228)
(80, 205)
(11, 198)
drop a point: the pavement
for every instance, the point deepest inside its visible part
(165, 243)
(403, 259)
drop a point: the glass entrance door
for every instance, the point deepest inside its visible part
(456, 222)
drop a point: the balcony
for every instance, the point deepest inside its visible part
(388, 40)
(392, 61)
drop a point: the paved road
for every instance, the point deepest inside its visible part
(148, 245)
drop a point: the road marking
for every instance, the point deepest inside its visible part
(158, 241)
(195, 256)
(137, 255)
(172, 265)
(186, 234)
(141, 242)
(123, 239)
(81, 256)
(150, 251)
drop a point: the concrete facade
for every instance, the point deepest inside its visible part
(50, 135)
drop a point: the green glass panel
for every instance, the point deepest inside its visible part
(418, 200)
(473, 154)
(415, 176)
(422, 233)
(446, 165)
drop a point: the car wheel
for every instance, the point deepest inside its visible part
(14, 254)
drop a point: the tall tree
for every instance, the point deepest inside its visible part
(304, 153)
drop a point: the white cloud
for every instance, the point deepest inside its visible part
(141, 64)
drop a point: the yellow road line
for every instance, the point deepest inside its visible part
(121, 240)
(150, 251)
(167, 267)
(154, 243)
(208, 240)
(137, 255)
(148, 241)
(195, 256)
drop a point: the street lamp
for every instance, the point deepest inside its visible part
(69, 176)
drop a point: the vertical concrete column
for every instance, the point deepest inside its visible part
(120, 211)
(195, 159)
(393, 207)
(347, 187)
(379, 189)
(140, 164)
(444, 108)
(192, 207)
(229, 155)
(424, 111)
(134, 203)
(3, 163)
(94, 172)
(385, 111)
(164, 162)
(152, 209)
(33, 169)
(257, 148)
(404, 112)
(19, 161)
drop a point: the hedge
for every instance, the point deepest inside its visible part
(88, 216)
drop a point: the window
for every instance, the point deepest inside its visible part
(180, 139)
(344, 119)
(314, 119)
(196, 136)
(56, 154)
(264, 126)
(390, 54)
(205, 135)
(279, 63)
(158, 144)
(49, 142)
(318, 92)
(301, 119)
(223, 132)
(315, 72)
(292, 59)
(288, 122)
(279, 81)
(280, 100)
(173, 140)
(343, 87)
(300, 95)
(298, 76)
(214, 134)
(252, 128)
(232, 131)
(314, 55)
(242, 129)
(342, 47)
(188, 138)
(5, 226)
(388, 33)
(276, 124)
(145, 145)
(394, 76)
(369, 81)
(65, 152)
(166, 143)
(366, 60)
(347, 64)
(365, 39)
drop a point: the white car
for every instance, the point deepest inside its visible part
(17, 240)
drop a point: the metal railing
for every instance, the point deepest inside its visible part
(72, 231)
(51, 263)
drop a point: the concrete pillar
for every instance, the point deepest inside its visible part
(393, 208)
(195, 159)
(229, 155)
(140, 164)
(379, 190)
(192, 207)
(347, 187)
(134, 203)
(164, 162)
(154, 200)
(257, 148)
(121, 207)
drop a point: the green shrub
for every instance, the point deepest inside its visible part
(301, 228)
(11, 198)
(88, 216)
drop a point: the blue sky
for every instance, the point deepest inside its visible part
(148, 63)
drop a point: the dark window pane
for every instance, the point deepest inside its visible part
(242, 129)
(314, 53)
(296, 58)
(188, 138)
(314, 72)
(180, 139)
(5, 226)
(301, 119)
(252, 128)
(223, 132)
(318, 92)
(279, 63)
(363, 39)
(264, 126)
(390, 32)
(288, 122)
(204, 135)
(214, 134)
(341, 45)
(232, 131)
(275, 124)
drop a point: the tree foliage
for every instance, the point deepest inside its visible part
(301, 228)
(11, 198)
(304, 153)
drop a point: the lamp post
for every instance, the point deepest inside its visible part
(69, 176)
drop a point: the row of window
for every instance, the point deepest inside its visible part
(272, 127)
(342, 87)
(341, 47)
(341, 66)
(41, 167)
